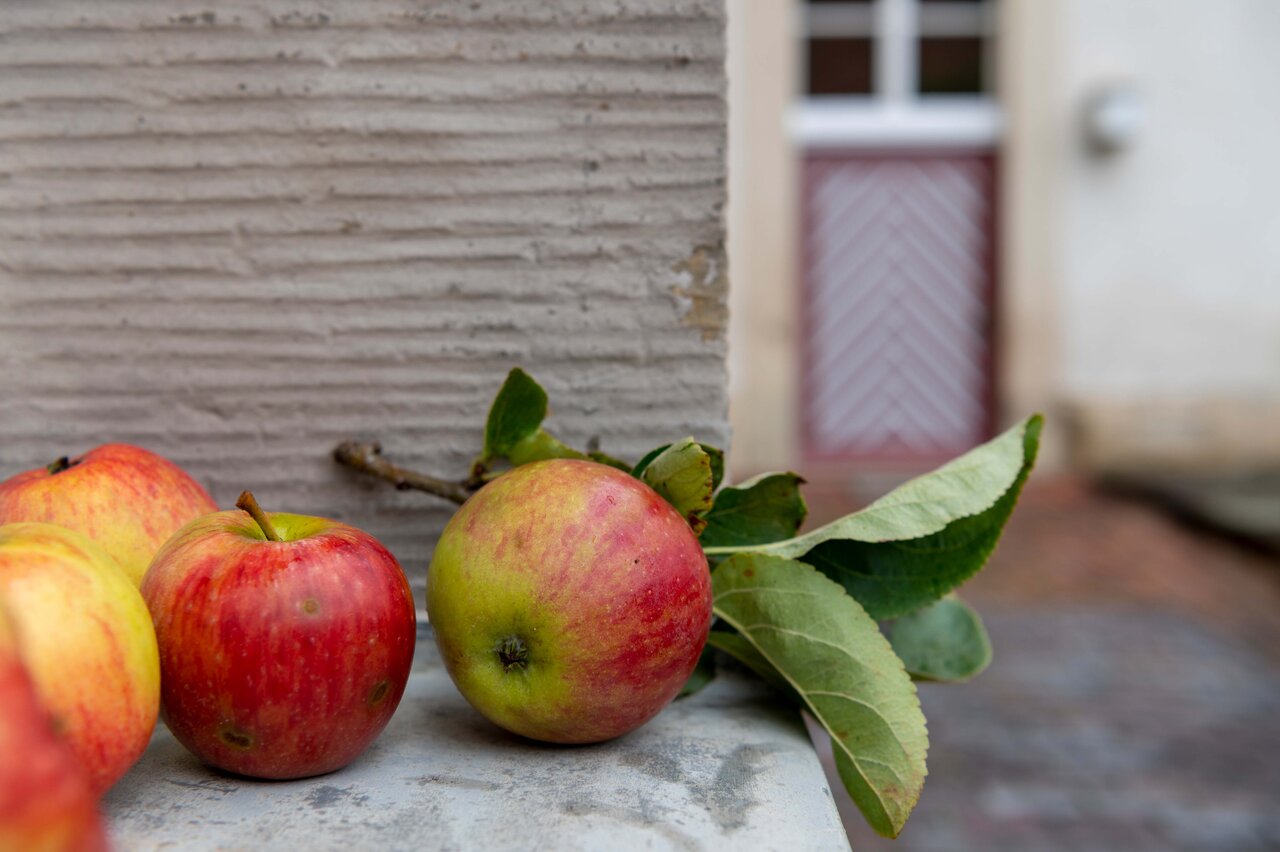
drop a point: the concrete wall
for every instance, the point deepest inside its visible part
(1168, 253)
(237, 233)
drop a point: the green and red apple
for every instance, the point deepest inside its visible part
(87, 640)
(46, 804)
(570, 602)
(285, 640)
(127, 499)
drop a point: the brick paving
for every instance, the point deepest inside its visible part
(1134, 701)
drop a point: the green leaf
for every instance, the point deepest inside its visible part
(703, 674)
(647, 459)
(682, 475)
(762, 510)
(944, 641)
(717, 464)
(517, 412)
(835, 658)
(741, 649)
(921, 540)
(540, 445)
(715, 453)
(605, 458)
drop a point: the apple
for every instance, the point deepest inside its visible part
(570, 602)
(285, 640)
(125, 498)
(45, 800)
(86, 637)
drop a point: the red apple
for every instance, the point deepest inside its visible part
(125, 498)
(569, 601)
(45, 800)
(285, 640)
(86, 638)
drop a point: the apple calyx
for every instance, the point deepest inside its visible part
(62, 463)
(250, 505)
(513, 653)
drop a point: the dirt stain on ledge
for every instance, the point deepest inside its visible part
(644, 819)
(327, 795)
(654, 764)
(731, 794)
(704, 296)
(458, 782)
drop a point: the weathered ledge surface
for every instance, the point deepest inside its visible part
(725, 769)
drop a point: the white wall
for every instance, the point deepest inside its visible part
(1169, 277)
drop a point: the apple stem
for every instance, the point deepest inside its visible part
(367, 458)
(58, 466)
(250, 505)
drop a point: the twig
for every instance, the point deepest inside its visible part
(367, 458)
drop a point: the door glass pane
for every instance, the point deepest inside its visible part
(840, 66)
(951, 66)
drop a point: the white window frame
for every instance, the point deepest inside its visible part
(895, 115)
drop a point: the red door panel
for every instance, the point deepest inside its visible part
(897, 253)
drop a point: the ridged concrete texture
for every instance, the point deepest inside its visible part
(237, 233)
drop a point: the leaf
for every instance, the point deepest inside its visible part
(835, 658)
(944, 641)
(762, 510)
(540, 445)
(703, 674)
(647, 459)
(514, 428)
(682, 475)
(963, 487)
(921, 540)
(717, 462)
(517, 412)
(741, 649)
(605, 458)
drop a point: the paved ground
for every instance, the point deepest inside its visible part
(1134, 701)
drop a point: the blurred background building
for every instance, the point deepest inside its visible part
(946, 214)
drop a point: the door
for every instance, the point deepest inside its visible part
(899, 130)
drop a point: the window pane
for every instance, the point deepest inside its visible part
(839, 66)
(951, 66)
